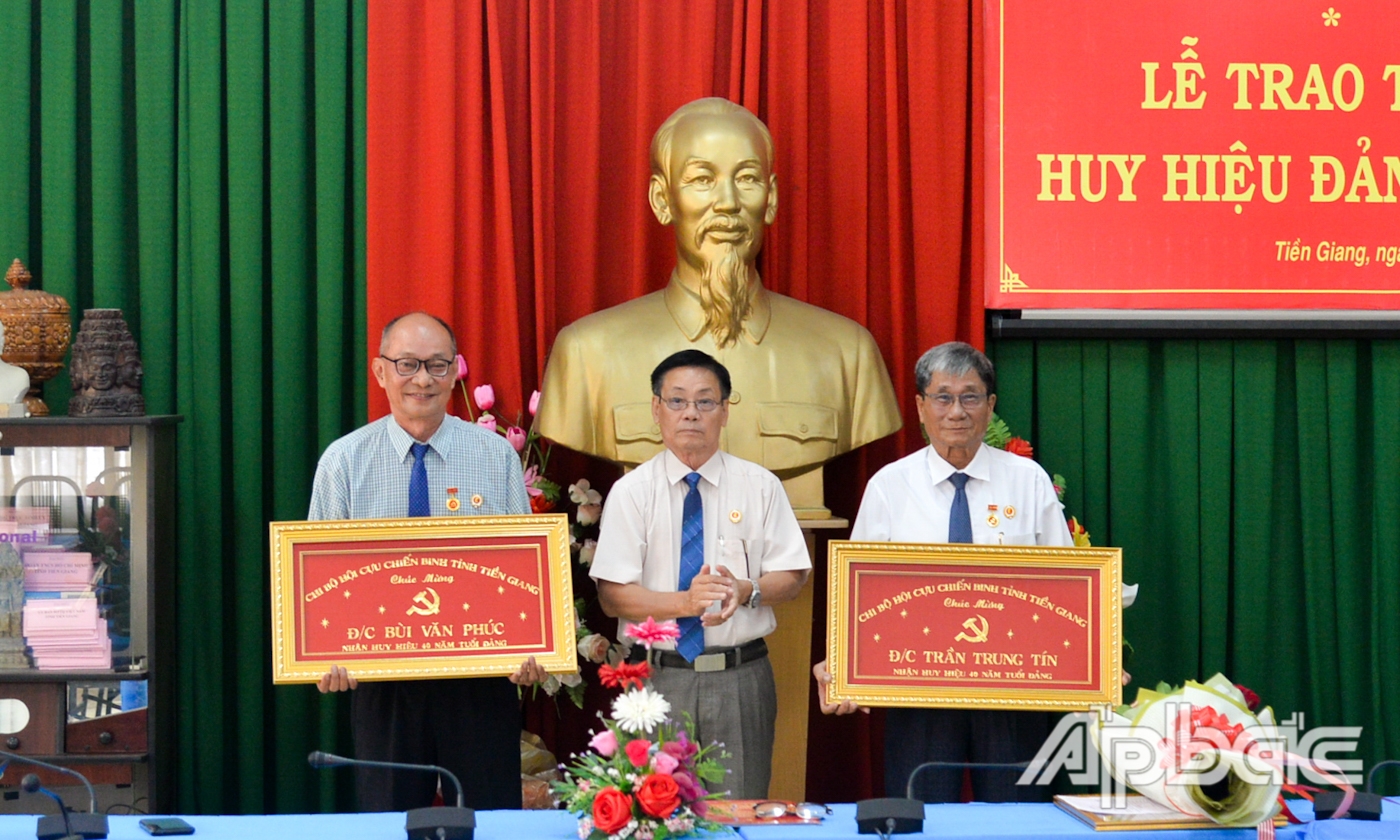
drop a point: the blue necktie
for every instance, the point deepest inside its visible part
(692, 641)
(959, 517)
(418, 483)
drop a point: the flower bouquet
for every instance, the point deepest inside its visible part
(644, 778)
(534, 451)
(1198, 750)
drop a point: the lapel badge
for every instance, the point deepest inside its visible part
(992, 520)
(735, 516)
(476, 500)
(991, 508)
(1009, 511)
(453, 503)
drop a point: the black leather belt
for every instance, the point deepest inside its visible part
(713, 659)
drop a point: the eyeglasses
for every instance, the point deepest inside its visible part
(408, 366)
(969, 402)
(704, 406)
(801, 810)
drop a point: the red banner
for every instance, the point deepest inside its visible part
(1192, 155)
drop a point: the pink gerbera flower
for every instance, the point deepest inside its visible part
(651, 631)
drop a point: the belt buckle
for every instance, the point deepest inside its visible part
(707, 662)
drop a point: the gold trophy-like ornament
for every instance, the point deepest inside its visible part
(37, 333)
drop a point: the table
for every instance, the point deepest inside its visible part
(971, 822)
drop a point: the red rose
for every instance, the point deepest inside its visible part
(1250, 698)
(612, 809)
(1020, 446)
(659, 795)
(637, 752)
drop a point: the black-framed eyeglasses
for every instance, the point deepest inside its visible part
(969, 402)
(408, 366)
(704, 406)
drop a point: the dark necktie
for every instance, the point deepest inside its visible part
(418, 483)
(959, 517)
(692, 641)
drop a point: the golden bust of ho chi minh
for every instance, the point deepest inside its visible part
(808, 384)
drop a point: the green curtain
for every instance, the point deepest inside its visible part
(200, 165)
(1254, 487)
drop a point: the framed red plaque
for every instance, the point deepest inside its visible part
(975, 626)
(420, 598)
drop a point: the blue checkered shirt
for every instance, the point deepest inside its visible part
(365, 474)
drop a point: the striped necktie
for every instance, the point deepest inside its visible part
(692, 641)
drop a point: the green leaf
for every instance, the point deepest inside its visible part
(998, 433)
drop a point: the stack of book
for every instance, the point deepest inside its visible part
(62, 624)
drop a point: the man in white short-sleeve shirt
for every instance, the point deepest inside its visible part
(916, 499)
(700, 536)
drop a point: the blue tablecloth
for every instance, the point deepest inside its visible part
(942, 821)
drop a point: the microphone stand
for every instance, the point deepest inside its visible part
(431, 823)
(91, 825)
(30, 784)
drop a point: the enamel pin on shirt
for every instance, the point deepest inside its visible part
(735, 516)
(476, 500)
(992, 520)
(452, 502)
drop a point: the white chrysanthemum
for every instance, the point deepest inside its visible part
(640, 710)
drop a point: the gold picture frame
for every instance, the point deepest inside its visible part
(975, 626)
(421, 598)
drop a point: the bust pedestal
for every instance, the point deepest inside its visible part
(790, 650)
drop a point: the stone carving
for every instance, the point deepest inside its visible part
(37, 333)
(11, 601)
(107, 369)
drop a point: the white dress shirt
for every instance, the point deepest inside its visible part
(640, 537)
(1011, 499)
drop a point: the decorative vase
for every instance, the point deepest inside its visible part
(107, 370)
(37, 332)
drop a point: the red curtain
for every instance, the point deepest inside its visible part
(507, 171)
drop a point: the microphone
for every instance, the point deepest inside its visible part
(92, 825)
(431, 823)
(62, 827)
(30, 784)
(92, 795)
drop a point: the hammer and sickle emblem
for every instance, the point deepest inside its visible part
(978, 628)
(429, 604)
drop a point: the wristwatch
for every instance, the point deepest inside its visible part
(756, 597)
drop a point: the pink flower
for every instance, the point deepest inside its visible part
(487, 421)
(531, 476)
(604, 743)
(461, 367)
(587, 551)
(515, 436)
(689, 785)
(534, 403)
(682, 748)
(651, 631)
(664, 762)
(485, 397)
(637, 751)
(594, 647)
(588, 514)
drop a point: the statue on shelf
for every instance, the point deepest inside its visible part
(14, 384)
(106, 369)
(808, 384)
